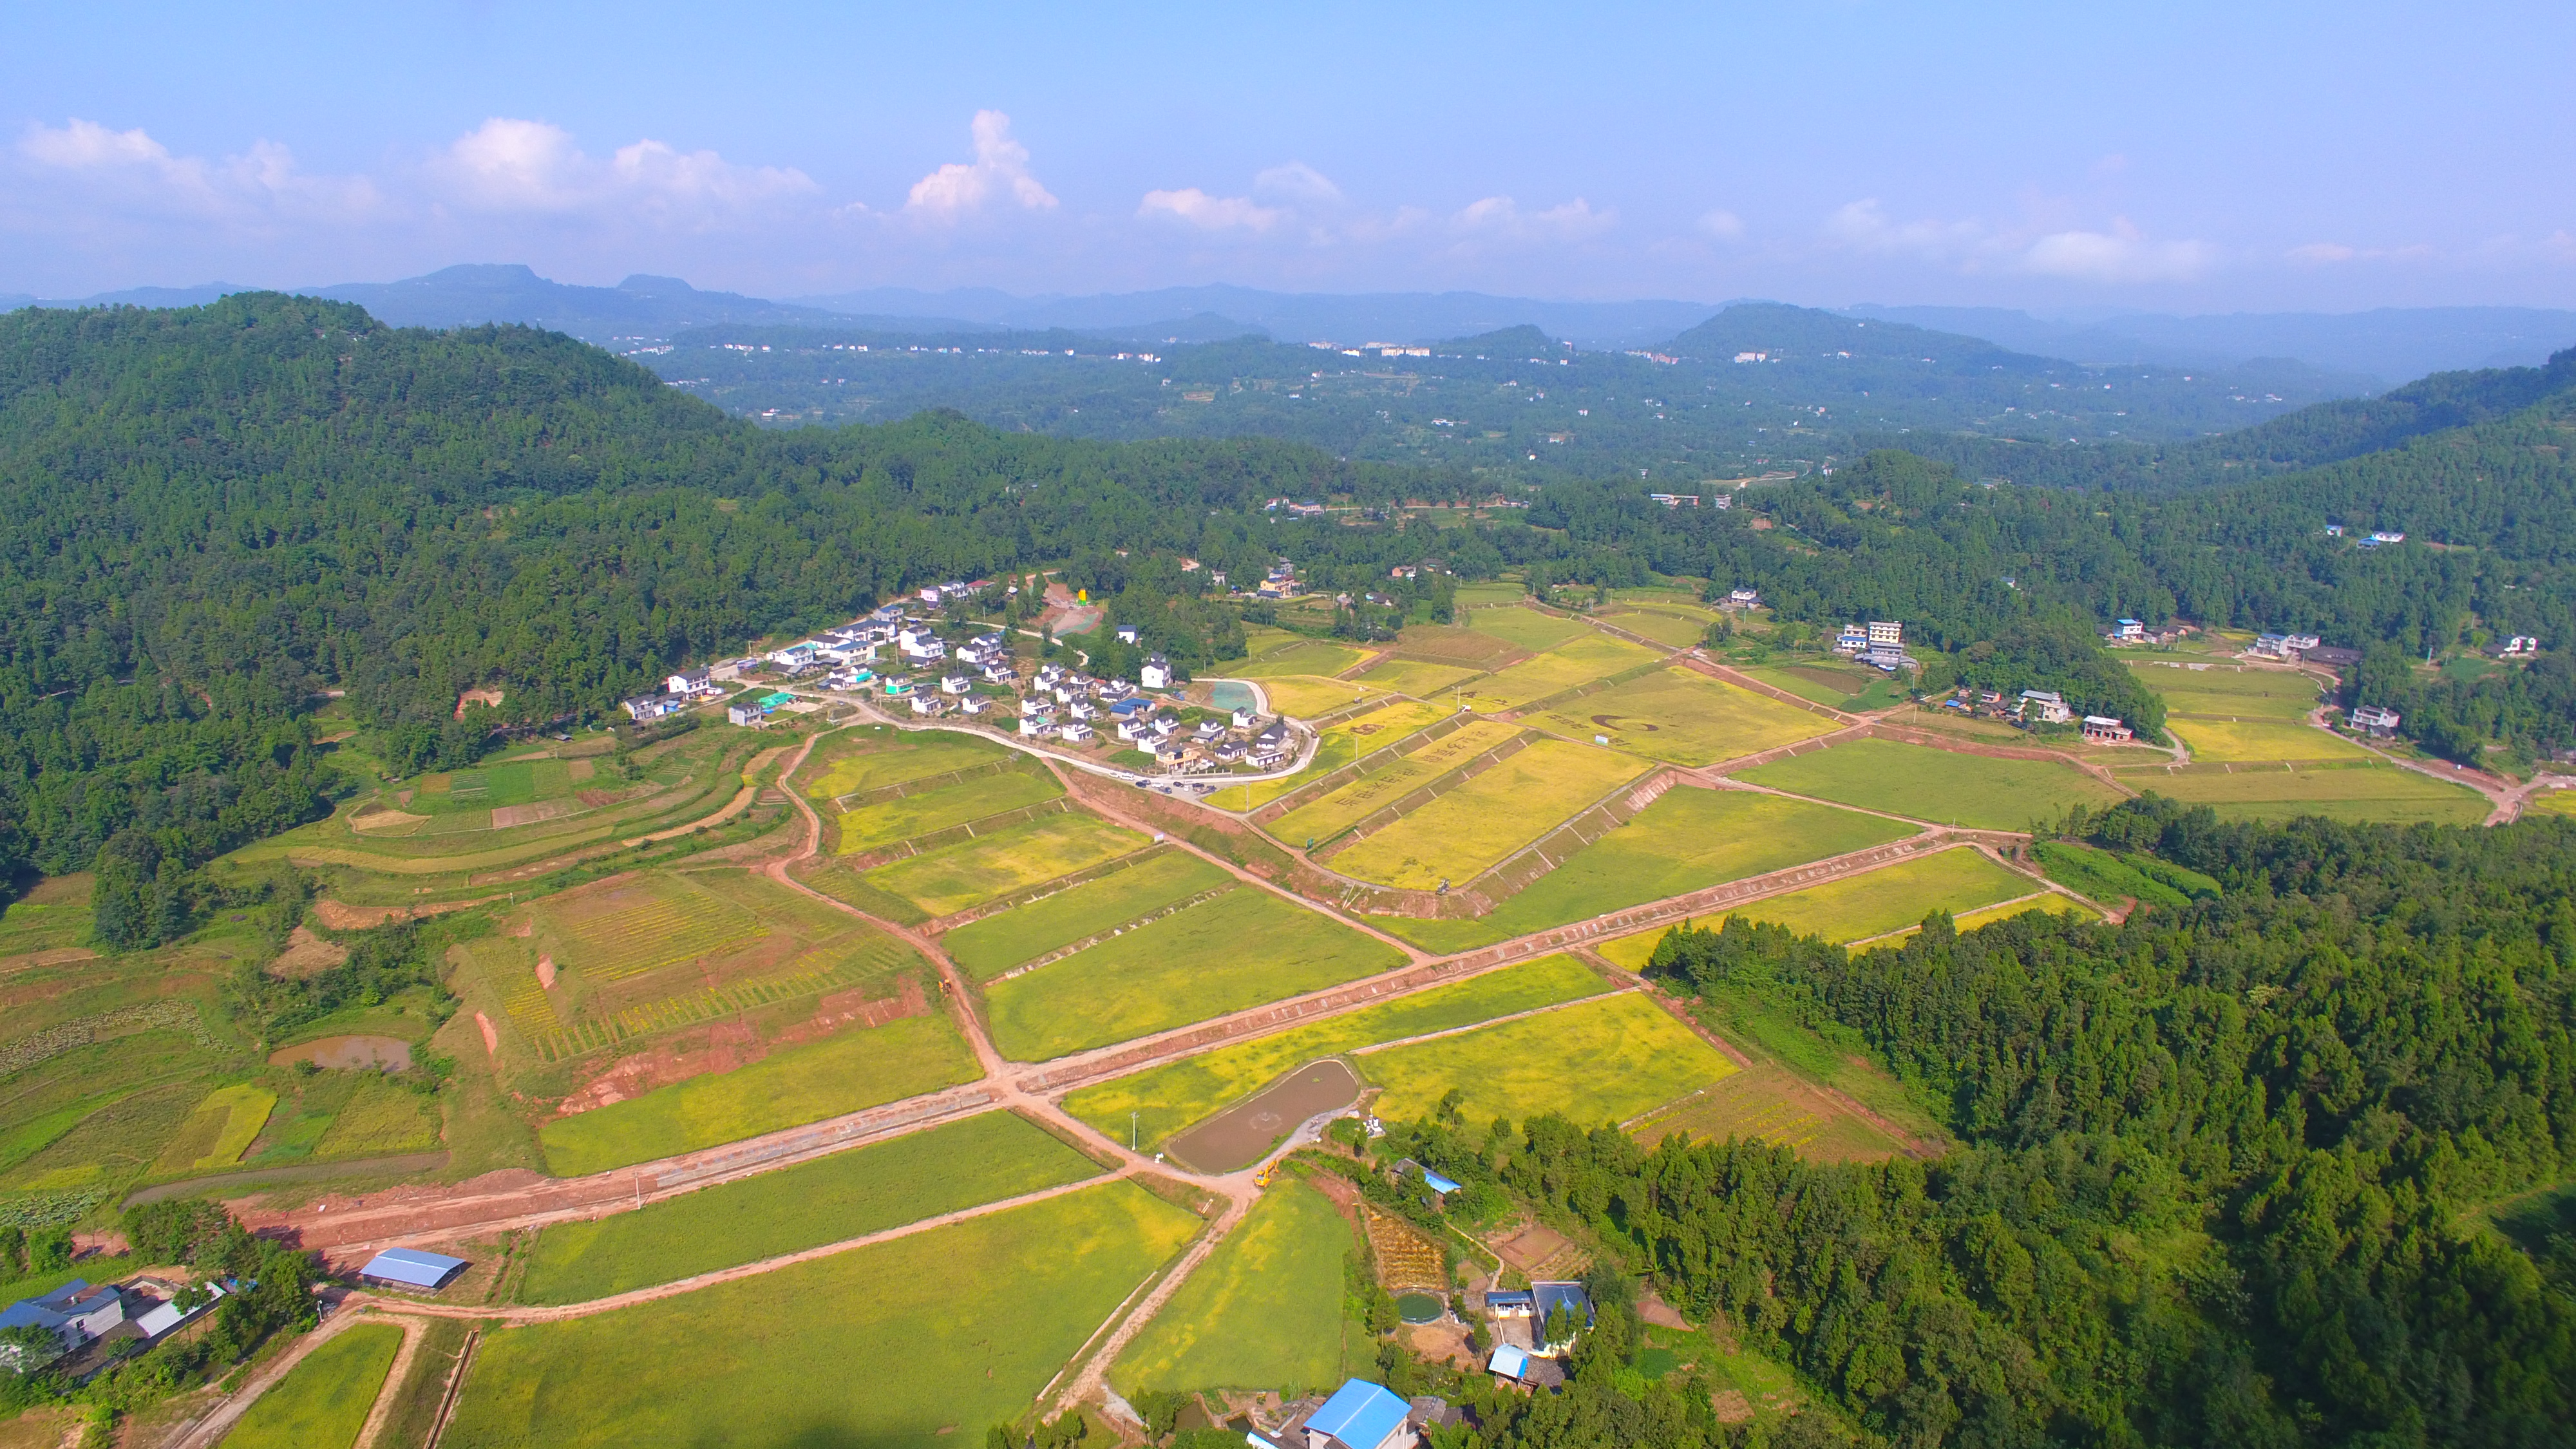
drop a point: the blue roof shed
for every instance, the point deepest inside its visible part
(412, 1268)
(1359, 1415)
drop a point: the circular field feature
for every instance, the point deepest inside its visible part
(1418, 1308)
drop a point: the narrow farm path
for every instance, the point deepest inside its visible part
(211, 1429)
(739, 803)
(391, 1388)
(2504, 796)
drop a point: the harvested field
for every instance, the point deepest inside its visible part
(1525, 628)
(1593, 1062)
(979, 1315)
(1306, 696)
(1263, 1312)
(852, 1069)
(1244, 1133)
(887, 821)
(1418, 677)
(1475, 826)
(993, 945)
(1334, 813)
(1578, 661)
(1687, 840)
(1306, 656)
(1767, 1103)
(2243, 741)
(322, 1402)
(1171, 1097)
(969, 872)
(1946, 787)
(1684, 717)
(1855, 908)
(849, 1194)
(2354, 793)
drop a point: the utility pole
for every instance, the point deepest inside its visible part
(1131, 1131)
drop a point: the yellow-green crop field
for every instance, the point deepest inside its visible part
(2232, 691)
(967, 873)
(1946, 787)
(958, 1325)
(881, 755)
(1306, 656)
(631, 926)
(995, 944)
(322, 1402)
(1418, 677)
(888, 821)
(1476, 825)
(1524, 627)
(215, 1135)
(1686, 841)
(1243, 948)
(1304, 696)
(1664, 628)
(2356, 793)
(1578, 661)
(2551, 802)
(1597, 1061)
(1170, 1098)
(1338, 745)
(1858, 907)
(1768, 1104)
(1685, 718)
(2254, 741)
(1263, 1312)
(854, 1068)
(1332, 814)
(2062, 905)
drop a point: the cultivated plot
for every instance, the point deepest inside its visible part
(1688, 840)
(949, 879)
(1468, 648)
(1418, 677)
(2230, 691)
(1578, 661)
(636, 924)
(1473, 827)
(1338, 745)
(847, 1195)
(1684, 717)
(322, 1402)
(1306, 656)
(987, 948)
(2254, 741)
(1672, 630)
(1767, 1103)
(1169, 1098)
(1263, 1312)
(1874, 903)
(1240, 949)
(2372, 792)
(1946, 787)
(1846, 687)
(955, 1326)
(1525, 628)
(1329, 815)
(1305, 696)
(875, 756)
(1597, 1061)
(883, 822)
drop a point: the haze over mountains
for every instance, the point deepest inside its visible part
(2373, 350)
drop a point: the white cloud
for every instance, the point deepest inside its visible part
(959, 189)
(1863, 226)
(2327, 254)
(1210, 213)
(2323, 253)
(511, 165)
(1501, 216)
(133, 169)
(1724, 225)
(1297, 181)
(2119, 255)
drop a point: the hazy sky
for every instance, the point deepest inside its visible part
(2174, 155)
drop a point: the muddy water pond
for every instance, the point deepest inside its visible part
(1239, 1136)
(349, 1053)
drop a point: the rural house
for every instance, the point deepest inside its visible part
(2377, 721)
(75, 1313)
(2104, 730)
(1361, 1415)
(2044, 706)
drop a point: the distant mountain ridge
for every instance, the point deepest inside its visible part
(2389, 344)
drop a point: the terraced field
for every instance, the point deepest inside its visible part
(1328, 816)
(1857, 907)
(1946, 787)
(2230, 691)
(2250, 741)
(883, 822)
(2357, 793)
(875, 756)
(968, 873)
(1683, 717)
(1525, 628)
(1474, 826)
(993, 945)
(1306, 656)
(1577, 661)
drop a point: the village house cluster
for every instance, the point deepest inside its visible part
(95, 1324)
(1880, 644)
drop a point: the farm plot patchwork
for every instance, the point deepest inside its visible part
(978, 1315)
(2355, 793)
(949, 879)
(995, 944)
(1685, 718)
(1855, 908)
(884, 822)
(850, 1194)
(1947, 787)
(1306, 656)
(1476, 825)
(1597, 1061)
(1687, 840)
(1578, 661)
(1418, 677)
(876, 756)
(2255, 741)
(1304, 696)
(1263, 1312)
(850, 1070)
(1243, 948)
(1331, 814)
(1169, 1098)
(1525, 628)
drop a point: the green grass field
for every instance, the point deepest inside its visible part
(1330, 815)
(970, 872)
(1685, 718)
(847, 1195)
(1686, 841)
(1599, 1061)
(1476, 825)
(1306, 656)
(1577, 661)
(1263, 1312)
(1942, 786)
(2255, 741)
(322, 1402)
(844, 1072)
(2231, 690)
(1673, 630)
(2353, 793)
(995, 944)
(892, 1346)
(881, 755)
(1168, 1099)
(888, 821)
(1241, 949)
(1305, 696)
(1419, 677)
(1861, 906)
(1525, 628)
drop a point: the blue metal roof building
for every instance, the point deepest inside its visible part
(412, 1268)
(1360, 1415)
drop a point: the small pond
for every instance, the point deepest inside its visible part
(1419, 1308)
(349, 1053)
(1231, 694)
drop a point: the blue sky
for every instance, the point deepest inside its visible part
(2172, 156)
